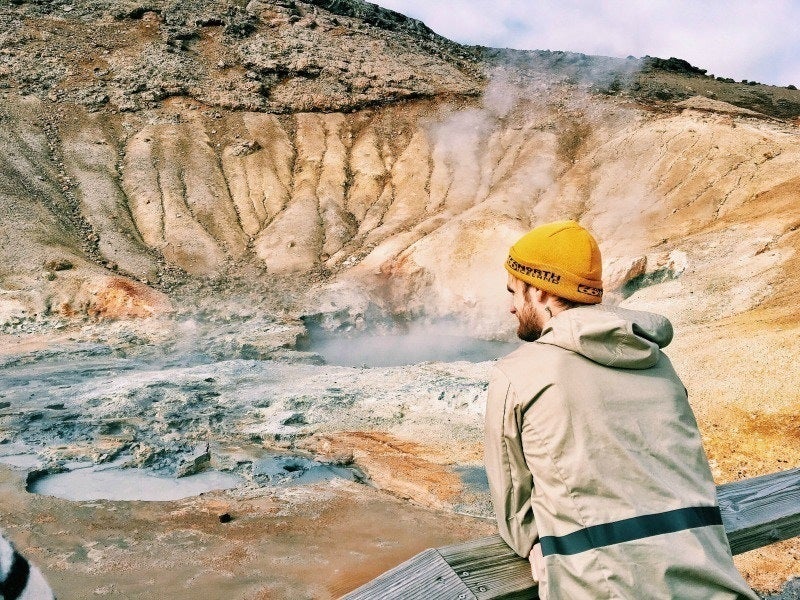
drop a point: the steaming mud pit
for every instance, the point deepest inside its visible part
(410, 345)
(115, 440)
(92, 483)
(340, 472)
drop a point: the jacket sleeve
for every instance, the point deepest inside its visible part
(510, 481)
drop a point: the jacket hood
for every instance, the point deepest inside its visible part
(610, 335)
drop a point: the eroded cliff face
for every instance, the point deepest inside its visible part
(247, 164)
(335, 157)
(410, 207)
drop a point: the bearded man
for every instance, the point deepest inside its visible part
(595, 463)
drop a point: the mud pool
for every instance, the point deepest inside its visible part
(128, 419)
(399, 349)
(92, 483)
(397, 343)
(114, 481)
(193, 422)
(331, 474)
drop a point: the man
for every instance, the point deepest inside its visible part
(595, 464)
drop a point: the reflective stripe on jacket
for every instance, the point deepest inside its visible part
(592, 447)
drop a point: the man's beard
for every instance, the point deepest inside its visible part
(529, 329)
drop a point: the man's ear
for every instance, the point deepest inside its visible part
(539, 296)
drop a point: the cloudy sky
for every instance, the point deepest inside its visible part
(743, 39)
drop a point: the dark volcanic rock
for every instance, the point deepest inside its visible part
(270, 56)
(283, 56)
(676, 65)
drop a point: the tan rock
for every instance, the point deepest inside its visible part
(119, 298)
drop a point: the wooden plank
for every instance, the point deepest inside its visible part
(490, 569)
(762, 510)
(426, 576)
(755, 512)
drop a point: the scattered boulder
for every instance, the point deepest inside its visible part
(194, 462)
(620, 271)
(245, 148)
(625, 275)
(58, 264)
(296, 418)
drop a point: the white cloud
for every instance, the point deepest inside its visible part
(742, 39)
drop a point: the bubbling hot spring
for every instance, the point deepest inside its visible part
(399, 344)
(81, 481)
(185, 387)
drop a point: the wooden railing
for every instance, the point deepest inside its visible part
(755, 512)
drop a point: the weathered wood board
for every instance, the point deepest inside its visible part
(755, 512)
(762, 510)
(426, 576)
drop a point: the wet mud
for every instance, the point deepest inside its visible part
(112, 456)
(114, 444)
(314, 541)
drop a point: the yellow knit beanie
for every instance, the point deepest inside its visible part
(561, 258)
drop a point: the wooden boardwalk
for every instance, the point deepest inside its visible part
(755, 512)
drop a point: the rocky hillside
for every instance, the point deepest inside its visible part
(147, 144)
(274, 57)
(275, 159)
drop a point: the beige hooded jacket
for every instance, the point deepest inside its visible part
(592, 448)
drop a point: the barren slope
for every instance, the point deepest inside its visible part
(335, 160)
